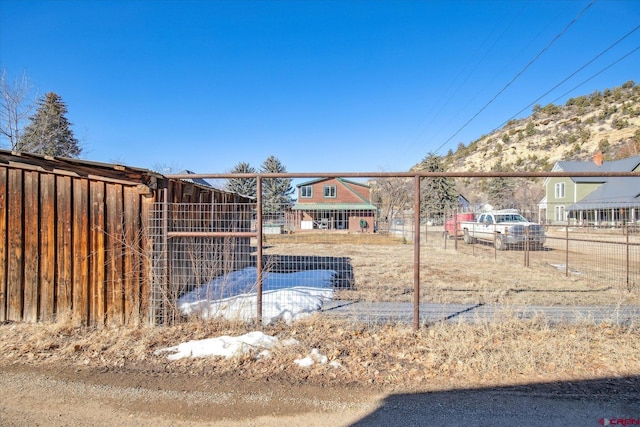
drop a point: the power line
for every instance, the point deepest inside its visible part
(597, 74)
(564, 30)
(576, 72)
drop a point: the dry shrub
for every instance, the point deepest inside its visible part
(388, 356)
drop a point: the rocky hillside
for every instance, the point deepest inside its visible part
(607, 121)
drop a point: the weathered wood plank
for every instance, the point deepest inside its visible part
(132, 256)
(15, 253)
(146, 308)
(115, 243)
(80, 250)
(31, 246)
(64, 261)
(97, 290)
(3, 244)
(47, 246)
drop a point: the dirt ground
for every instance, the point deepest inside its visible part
(33, 396)
(519, 373)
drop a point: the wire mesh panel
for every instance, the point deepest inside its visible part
(383, 261)
(193, 258)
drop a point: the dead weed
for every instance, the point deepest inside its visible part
(388, 356)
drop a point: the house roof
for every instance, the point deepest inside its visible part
(197, 181)
(334, 207)
(78, 167)
(622, 165)
(617, 192)
(342, 180)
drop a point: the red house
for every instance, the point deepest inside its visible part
(334, 204)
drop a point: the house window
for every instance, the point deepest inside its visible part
(330, 191)
(560, 190)
(306, 192)
(559, 213)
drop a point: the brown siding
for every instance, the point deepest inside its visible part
(15, 262)
(3, 243)
(63, 245)
(344, 193)
(80, 250)
(76, 244)
(47, 247)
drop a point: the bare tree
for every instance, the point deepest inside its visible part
(392, 195)
(17, 100)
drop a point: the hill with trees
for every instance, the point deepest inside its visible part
(605, 121)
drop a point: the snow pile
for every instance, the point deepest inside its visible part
(286, 296)
(252, 342)
(224, 346)
(315, 357)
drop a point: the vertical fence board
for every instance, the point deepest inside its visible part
(15, 251)
(132, 262)
(114, 266)
(146, 275)
(97, 289)
(80, 250)
(47, 246)
(31, 246)
(3, 244)
(64, 256)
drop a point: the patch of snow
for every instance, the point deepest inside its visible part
(224, 346)
(314, 357)
(285, 296)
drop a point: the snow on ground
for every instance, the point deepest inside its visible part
(286, 296)
(256, 343)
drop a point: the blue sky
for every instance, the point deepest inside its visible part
(333, 86)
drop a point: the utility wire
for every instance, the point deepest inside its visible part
(597, 74)
(574, 73)
(517, 75)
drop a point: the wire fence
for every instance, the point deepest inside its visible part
(232, 261)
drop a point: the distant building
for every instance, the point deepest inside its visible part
(334, 204)
(595, 200)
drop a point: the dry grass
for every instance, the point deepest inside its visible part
(383, 270)
(392, 357)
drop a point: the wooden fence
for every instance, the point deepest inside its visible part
(74, 241)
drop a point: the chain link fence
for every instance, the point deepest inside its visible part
(221, 260)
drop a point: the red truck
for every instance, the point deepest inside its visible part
(452, 227)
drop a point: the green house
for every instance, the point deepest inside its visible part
(593, 200)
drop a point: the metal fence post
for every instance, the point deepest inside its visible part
(416, 253)
(455, 229)
(259, 231)
(166, 267)
(627, 256)
(566, 251)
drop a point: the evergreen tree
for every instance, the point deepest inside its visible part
(501, 191)
(243, 186)
(49, 131)
(437, 193)
(276, 192)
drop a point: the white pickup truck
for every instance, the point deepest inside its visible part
(503, 228)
